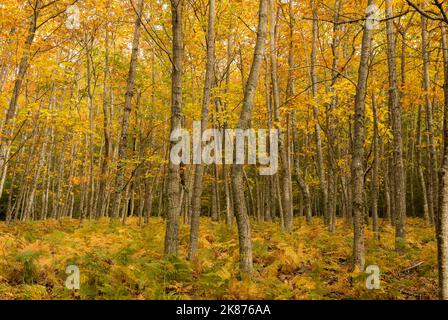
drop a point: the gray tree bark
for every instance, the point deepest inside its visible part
(242, 218)
(375, 170)
(432, 174)
(173, 181)
(285, 175)
(290, 92)
(130, 90)
(332, 170)
(358, 147)
(106, 131)
(442, 221)
(199, 168)
(395, 111)
(317, 136)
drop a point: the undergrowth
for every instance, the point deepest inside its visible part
(127, 262)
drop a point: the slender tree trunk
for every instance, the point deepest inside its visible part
(317, 128)
(229, 207)
(106, 131)
(123, 140)
(442, 221)
(173, 181)
(420, 172)
(333, 172)
(199, 168)
(226, 171)
(90, 96)
(270, 196)
(242, 218)
(358, 146)
(428, 105)
(284, 167)
(215, 189)
(375, 170)
(432, 166)
(387, 192)
(290, 92)
(395, 110)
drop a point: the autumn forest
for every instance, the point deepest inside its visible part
(98, 96)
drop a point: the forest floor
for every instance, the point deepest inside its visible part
(126, 262)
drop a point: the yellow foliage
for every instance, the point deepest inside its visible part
(126, 262)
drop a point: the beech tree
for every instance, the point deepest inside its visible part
(242, 218)
(358, 143)
(199, 168)
(173, 182)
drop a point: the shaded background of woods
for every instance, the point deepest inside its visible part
(87, 114)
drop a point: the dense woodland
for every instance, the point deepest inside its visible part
(358, 91)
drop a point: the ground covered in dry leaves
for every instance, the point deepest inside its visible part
(126, 262)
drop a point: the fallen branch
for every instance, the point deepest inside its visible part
(412, 267)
